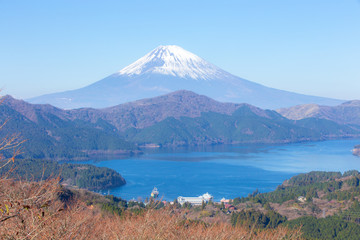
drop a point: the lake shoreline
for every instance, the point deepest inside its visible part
(225, 171)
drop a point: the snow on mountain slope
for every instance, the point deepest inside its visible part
(171, 68)
(175, 61)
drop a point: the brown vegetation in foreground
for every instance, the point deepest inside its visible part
(32, 210)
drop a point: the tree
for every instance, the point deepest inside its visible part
(9, 147)
(21, 200)
(222, 207)
(203, 205)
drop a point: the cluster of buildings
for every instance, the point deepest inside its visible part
(195, 200)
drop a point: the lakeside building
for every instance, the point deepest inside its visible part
(195, 200)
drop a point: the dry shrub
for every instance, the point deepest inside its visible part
(34, 211)
(160, 224)
(26, 206)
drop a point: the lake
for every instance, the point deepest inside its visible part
(227, 170)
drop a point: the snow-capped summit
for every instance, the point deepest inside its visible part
(175, 61)
(170, 68)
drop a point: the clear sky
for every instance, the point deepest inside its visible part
(305, 46)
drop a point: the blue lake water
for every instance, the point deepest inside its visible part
(226, 171)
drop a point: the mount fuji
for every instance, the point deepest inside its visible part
(170, 68)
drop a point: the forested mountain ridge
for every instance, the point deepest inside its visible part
(147, 112)
(138, 114)
(243, 126)
(49, 134)
(178, 118)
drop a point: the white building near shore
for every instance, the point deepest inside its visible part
(195, 200)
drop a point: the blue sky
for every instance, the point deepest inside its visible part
(305, 46)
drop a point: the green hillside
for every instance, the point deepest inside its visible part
(243, 126)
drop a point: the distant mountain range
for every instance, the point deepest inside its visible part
(171, 68)
(178, 118)
(346, 113)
